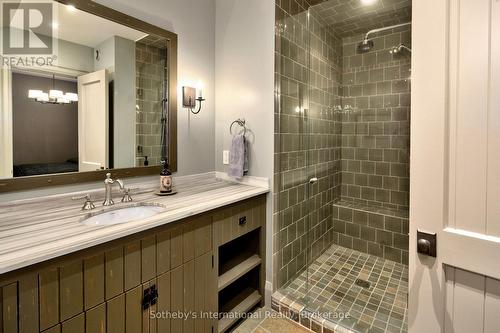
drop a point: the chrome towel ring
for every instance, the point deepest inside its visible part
(240, 122)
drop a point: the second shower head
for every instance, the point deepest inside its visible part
(397, 49)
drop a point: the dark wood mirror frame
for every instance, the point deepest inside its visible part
(27, 183)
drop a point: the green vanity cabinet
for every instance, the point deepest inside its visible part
(103, 289)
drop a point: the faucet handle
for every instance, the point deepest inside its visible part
(88, 205)
(126, 194)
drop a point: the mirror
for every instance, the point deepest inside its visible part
(104, 99)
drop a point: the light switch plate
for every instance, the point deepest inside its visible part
(225, 157)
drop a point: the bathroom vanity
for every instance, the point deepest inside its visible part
(203, 254)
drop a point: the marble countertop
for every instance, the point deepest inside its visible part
(36, 230)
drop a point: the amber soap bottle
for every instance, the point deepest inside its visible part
(165, 179)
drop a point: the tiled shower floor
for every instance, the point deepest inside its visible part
(382, 307)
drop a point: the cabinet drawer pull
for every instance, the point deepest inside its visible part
(146, 300)
(242, 220)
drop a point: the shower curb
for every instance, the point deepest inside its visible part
(297, 312)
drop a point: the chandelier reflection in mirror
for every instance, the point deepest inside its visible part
(54, 96)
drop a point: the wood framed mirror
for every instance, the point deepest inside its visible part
(103, 100)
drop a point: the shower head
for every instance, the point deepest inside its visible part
(397, 49)
(365, 46)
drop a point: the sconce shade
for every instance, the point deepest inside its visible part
(188, 97)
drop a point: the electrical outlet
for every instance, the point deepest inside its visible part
(225, 157)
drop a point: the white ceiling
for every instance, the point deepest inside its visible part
(86, 29)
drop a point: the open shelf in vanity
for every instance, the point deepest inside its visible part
(240, 263)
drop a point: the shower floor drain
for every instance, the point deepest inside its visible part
(362, 283)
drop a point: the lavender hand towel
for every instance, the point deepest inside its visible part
(237, 156)
(246, 162)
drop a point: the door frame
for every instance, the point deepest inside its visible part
(428, 149)
(6, 126)
(432, 167)
(102, 77)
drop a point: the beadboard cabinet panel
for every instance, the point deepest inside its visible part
(204, 288)
(163, 252)
(55, 329)
(94, 281)
(114, 272)
(74, 325)
(10, 308)
(71, 289)
(176, 246)
(163, 306)
(114, 314)
(133, 310)
(177, 297)
(1, 311)
(148, 258)
(132, 265)
(95, 319)
(101, 289)
(49, 298)
(28, 304)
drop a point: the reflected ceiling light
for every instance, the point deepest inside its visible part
(72, 97)
(71, 8)
(34, 93)
(54, 96)
(55, 25)
(43, 98)
(368, 2)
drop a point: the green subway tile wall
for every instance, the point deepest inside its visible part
(307, 136)
(342, 117)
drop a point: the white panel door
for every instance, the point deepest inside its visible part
(455, 166)
(93, 124)
(6, 143)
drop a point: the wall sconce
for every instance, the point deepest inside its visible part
(189, 98)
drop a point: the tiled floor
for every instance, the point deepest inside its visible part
(269, 321)
(382, 307)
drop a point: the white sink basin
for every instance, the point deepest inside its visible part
(124, 214)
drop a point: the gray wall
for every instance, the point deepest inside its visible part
(244, 46)
(194, 22)
(117, 55)
(43, 133)
(75, 56)
(124, 103)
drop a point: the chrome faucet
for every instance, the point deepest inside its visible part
(108, 183)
